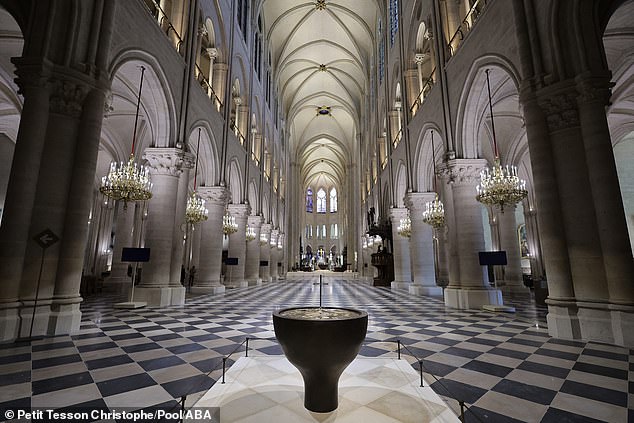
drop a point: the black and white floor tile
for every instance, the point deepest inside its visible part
(504, 367)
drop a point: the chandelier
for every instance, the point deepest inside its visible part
(128, 181)
(499, 186)
(250, 235)
(434, 214)
(263, 239)
(195, 211)
(405, 227)
(229, 224)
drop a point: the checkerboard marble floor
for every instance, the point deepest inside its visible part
(505, 367)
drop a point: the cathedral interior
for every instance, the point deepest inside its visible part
(172, 172)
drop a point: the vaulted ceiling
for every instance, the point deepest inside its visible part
(321, 53)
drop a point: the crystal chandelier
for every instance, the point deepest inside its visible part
(128, 181)
(405, 227)
(196, 211)
(434, 214)
(229, 224)
(263, 239)
(250, 235)
(499, 186)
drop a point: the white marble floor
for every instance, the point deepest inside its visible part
(270, 389)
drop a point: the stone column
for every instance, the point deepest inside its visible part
(21, 192)
(212, 53)
(473, 290)
(195, 236)
(534, 243)
(220, 74)
(422, 246)
(179, 229)
(562, 320)
(509, 243)
(419, 58)
(252, 265)
(238, 245)
(61, 204)
(119, 281)
(609, 214)
(210, 254)
(273, 254)
(165, 169)
(65, 312)
(265, 253)
(400, 252)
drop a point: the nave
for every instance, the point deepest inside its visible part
(504, 366)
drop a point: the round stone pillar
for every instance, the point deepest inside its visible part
(238, 246)
(210, 252)
(509, 242)
(21, 192)
(165, 169)
(422, 246)
(273, 254)
(119, 281)
(400, 252)
(474, 290)
(252, 265)
(265, 252)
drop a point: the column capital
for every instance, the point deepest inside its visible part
(419, 58)
(397, 213)
(255, 221)
(266, 228)
(214, 195)
(559, 103)
(239, 210)
(164, 161)
(416, 201)
(212, 52)
(462, 171)
(67, 96)
(594, 89)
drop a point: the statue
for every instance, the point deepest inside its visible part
(371, 217)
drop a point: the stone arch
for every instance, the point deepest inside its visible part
(400, 184)
(253, 194)
(423, 166)
(208, 164)
(157, 100)
(473, 113)
(235, 181)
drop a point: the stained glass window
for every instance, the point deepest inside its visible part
(309, 200)
(333, 200)
(321, 201)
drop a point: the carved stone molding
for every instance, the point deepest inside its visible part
(214, 195)
(560, 110)
(397, 214)
(266, 228)
(189, 160)
(594, 90)
(67, 97)
(164, 161)
(30, 74)
(419, 58)
(239, 210)
(255, 221)
(415, 202)
(462, 171)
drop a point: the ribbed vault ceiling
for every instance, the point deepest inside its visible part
(320, 57)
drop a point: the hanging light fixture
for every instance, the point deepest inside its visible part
(405, 227)
(196, 210)
(250, 235)
(263, 239)
(499, 186)
(128, 181)
(434, 214)
(229, 224)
